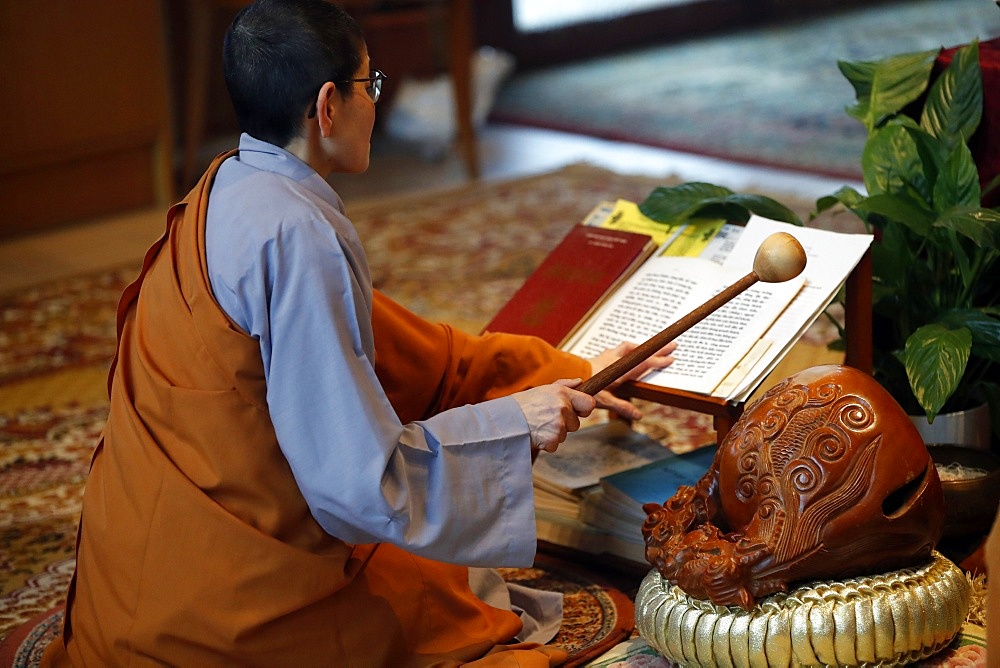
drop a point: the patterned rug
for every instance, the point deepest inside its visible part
(59, 325)
(772, 95)
(455, 256)
(597, 616)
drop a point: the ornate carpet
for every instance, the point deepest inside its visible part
(455, 256)
(769, 95)
(597, 615)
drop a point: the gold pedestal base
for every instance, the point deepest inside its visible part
(889, 619)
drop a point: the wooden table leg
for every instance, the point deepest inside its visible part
(858, 315)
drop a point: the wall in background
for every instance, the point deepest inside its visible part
(84, 117)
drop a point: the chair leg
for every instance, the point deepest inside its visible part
(197, 87)
(460, 61)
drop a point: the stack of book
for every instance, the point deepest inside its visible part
(590, 492)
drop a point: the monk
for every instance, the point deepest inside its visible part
(296, 470)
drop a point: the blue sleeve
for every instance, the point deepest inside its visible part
(456, 487)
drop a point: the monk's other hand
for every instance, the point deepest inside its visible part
(605, 398)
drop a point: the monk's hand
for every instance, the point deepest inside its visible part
(605, 398)
(552, 411)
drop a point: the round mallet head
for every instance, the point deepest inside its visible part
(780, 258)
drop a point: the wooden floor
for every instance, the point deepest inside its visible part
(505, 152)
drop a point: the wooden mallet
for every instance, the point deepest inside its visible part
(780, 258)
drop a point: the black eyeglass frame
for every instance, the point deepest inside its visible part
(373, 89)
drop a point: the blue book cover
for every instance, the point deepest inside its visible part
(658, 481)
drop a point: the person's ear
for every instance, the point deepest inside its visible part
(326, 107)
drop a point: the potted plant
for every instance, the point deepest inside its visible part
(936, 259)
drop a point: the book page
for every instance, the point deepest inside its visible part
(652, 296)
(831, 256)
(667, 288)
(736, 377)
(708, 352)
(721, 245)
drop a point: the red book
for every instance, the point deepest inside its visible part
(587, 266)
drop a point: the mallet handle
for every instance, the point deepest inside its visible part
(629, 361)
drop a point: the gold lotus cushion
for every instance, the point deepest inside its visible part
(894, 618)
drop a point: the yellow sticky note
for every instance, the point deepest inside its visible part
(692, 239)
(626, 216)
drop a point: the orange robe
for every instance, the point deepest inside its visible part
(196, 546)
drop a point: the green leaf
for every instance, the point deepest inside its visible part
(933, 153)
(827, 202)
(958, 181)
(719, 210)
(860, 74)
(892, 258)
(675, 204)
(954, 104)
(908, 211)
(963, 261)
(892, 163)
(765, 206)
(985, 330)
(845, 195)
(885, 87)
(935, 358)
(992, 185)
(703, 200)
(981, 226)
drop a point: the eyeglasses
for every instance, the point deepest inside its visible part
(373, 89)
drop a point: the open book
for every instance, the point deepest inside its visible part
(731, 351)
